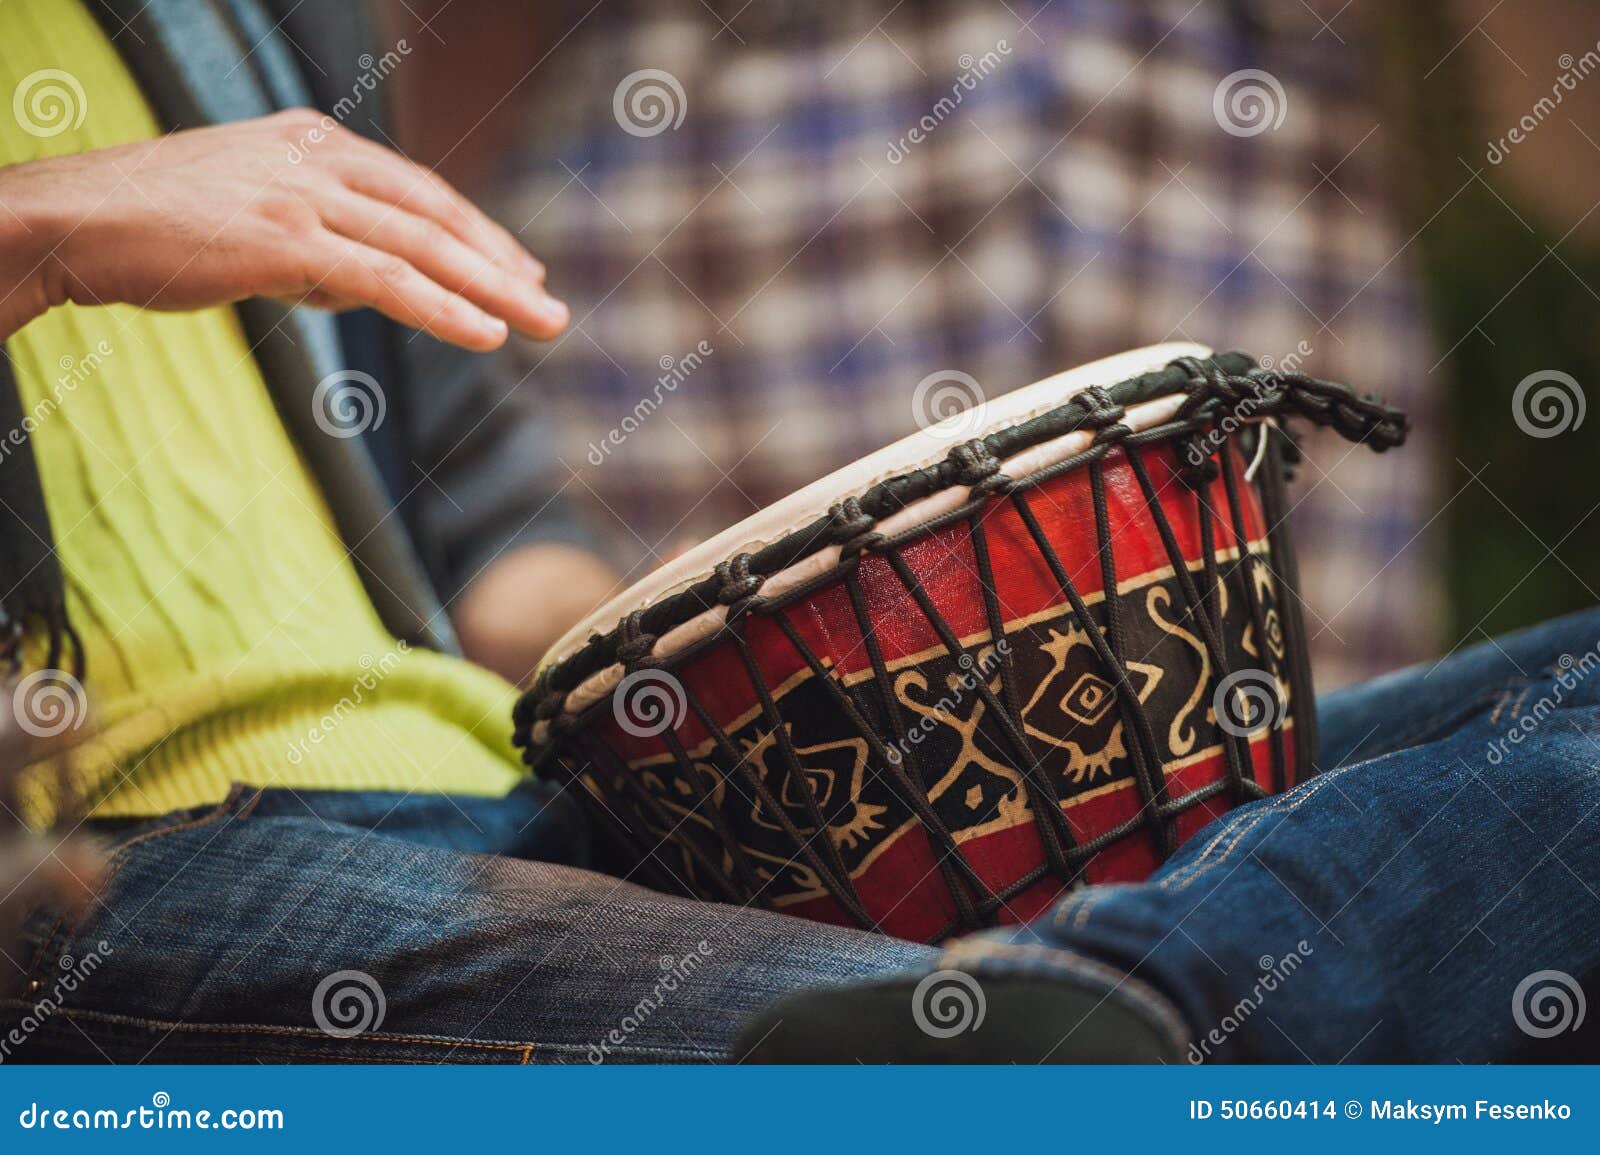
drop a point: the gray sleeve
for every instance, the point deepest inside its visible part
(489, 478)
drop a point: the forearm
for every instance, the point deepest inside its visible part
(524, 601)
(28, 237)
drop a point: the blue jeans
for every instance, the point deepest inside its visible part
(1432, 896)
(1389, 909)
(363, 927)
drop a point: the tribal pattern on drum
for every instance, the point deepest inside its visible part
(993, 688)
(951, 742)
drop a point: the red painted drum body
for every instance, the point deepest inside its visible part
(1047, 661)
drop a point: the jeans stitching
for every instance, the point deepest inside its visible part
(266, 1029)
(526, 1050)
(1081, 905)
(1283, 804)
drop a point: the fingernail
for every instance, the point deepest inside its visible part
(552, 310)
(492, 327)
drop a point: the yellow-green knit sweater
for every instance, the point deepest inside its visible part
(227, 634)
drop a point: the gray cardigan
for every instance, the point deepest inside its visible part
(458, 470)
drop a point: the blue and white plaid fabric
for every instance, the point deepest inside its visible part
(774, 220)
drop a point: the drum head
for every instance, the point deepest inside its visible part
(915, 451)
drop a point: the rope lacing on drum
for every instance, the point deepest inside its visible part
(714, 856)
(1197, 468)
(851, 527)
(1357, 417)
(634, 645)
(736, 585)
(1103, 413)
(1104, 416)
(978, 468)
(541, 707)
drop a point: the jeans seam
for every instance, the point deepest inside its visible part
(1283, 804)
(525, 1050)
(1516, 703)
(275, 1031)
(1081, 905)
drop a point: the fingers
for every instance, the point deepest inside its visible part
(387, 176)
(444, 259)
(385, 203)
(343, 269)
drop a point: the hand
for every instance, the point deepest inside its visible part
(254, 209)
(524, 601)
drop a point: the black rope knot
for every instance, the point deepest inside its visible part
(1207, 384)
(1202, 383)
(1214, 397)
(975, 462)
(549, 706)
(1103, 413)
(1268, 386)
(1357, 417)
(995, 483)
(1197, 466)
(849, 520)
(633, 644)
(854, 530)
(735, 582)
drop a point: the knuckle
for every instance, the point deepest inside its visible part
(290, 214)
(392, 271)
(431, 236)
(434, 187)
(305, 271)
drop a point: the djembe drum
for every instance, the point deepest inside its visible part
(930, 691)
